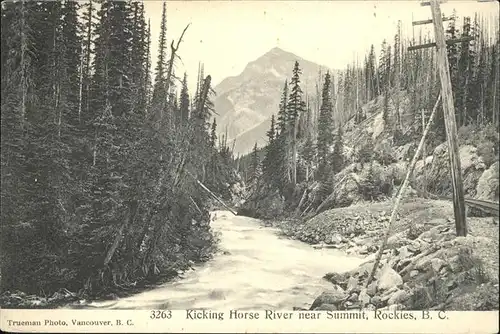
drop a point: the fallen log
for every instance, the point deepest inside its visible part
(213, 195)
(301, 202)
(332, 195)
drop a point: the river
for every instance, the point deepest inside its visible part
(258, 269)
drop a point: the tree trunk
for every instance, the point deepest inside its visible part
(144, 230)
(294, 151)
(301, 202)
(23, 66)
(80, 88)
(424, 154)
(401, 193)
(132, 211)
(213, 195)
(157, 232)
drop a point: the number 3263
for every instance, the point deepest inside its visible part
(161, 314)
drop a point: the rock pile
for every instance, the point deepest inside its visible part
(430, 271)
(355, 233)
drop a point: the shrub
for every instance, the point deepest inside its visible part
(365, 152)
(374, 186)
(432, 294)
(486, 150)
(472, 266)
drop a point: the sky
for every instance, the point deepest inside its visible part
(226, 35)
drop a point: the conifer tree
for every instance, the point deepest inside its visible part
(271, 170)
(213, 134)
(184, 101)
(464, 67)
(453, 51)
(493, 84)
(308, 156)
(325, 131)
(254, 167)
(371, 87)
(282, 113)
(385, 110)
(295, 108)
(338, 152)
(159, 96)
(397, 75)
(87, 52)
(271, 133)
(139, 59)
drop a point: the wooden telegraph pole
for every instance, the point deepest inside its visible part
(448, 109)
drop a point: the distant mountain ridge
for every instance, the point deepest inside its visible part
(245, 102)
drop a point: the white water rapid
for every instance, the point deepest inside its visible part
(258, 270)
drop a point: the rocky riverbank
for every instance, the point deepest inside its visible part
(424, 265)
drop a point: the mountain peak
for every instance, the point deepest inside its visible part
(246, 102)
(277, 51)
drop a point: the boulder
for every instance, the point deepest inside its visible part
(352, 283)
(469, 158)
(377, 301)
(398, 171)
(437, 264)
(363, 250)
(438, 174)
(424, 262)
(371, 289)
(326, 307)
(414, 273)
(389, 278)
(415, 230)
(336, 239)
(414, 246)
(370, 307)
(335, 278)
(454, 264)
(333, 297)
(403, 252)
(378, 126)
(398, 297)
(296, 308)
(347, 191)
(403, 152)
(353, 297)
(397, 240)
(363, 297)
(395, 307)
(488, 184)
(358, 241)
(340, 287)
(388, 293)
(363, 270)
(433, 233)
